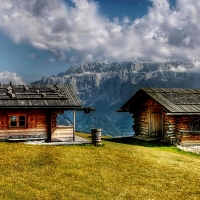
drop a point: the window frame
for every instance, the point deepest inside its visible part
(18, 120)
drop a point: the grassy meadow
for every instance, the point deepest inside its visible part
(121, 169)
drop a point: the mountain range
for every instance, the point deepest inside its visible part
(108, 86)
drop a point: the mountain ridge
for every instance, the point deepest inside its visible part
(108, 86)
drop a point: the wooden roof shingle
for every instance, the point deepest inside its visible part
(38, 96)
(175, 100)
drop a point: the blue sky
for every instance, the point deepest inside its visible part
(42, 38)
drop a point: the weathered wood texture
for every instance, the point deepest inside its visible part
(39, 124)
(188, 129)
(148, 119)
(175, 100)
(169, 128)
(167, 113)
(37, 96)
(156, 122)
(63, 132)
(141, 122)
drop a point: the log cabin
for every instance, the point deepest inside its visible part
(169, 114)
(29, 112)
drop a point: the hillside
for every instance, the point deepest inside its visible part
(108, 86)
(122, 169)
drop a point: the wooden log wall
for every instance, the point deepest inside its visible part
(175, 128)
(187, 133)
(37, 124)
(183, 122)
(169, 128)
(141, 122)
(142, 117)
(142, 127)
(63, 132)
(53, 121)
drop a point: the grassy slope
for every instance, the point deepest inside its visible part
(128, 170)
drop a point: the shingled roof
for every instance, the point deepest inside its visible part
(175, 100)
(38, 96)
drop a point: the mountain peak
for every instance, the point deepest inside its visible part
(107, 86)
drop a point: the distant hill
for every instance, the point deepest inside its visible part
(108, 86)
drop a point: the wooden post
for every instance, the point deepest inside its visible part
(74, 125)
(49, 117)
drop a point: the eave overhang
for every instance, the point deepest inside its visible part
(47, 108)
(183, 113)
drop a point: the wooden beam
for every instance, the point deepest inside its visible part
(49, 117)
(74, 125)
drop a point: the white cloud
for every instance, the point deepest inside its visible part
(178, 69)
(7, 77)
(32, 55)
(52, 60)
(84, 34)
(126, 20)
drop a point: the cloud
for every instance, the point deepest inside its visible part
(32, 55)
(7, 77)
(52, 60)
(80, 33)
(126, 20)
(178, 69)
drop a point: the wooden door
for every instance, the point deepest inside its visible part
(3, 121)
(32, 120)
(155, 122)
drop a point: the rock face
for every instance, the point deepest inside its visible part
(108, 86)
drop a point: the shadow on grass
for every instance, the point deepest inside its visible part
(134, 141)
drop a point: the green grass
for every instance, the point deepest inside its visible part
(121, 169)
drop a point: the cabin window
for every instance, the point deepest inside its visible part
(17, 120)
(195, 125)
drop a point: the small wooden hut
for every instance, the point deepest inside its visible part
(29, 111)
(172, 115)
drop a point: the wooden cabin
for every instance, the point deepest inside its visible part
(172, 115)
(30, 111)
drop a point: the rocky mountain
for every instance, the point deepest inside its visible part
(108, 86)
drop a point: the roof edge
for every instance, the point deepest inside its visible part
(185, 113)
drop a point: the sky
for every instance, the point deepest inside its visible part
(42, 38)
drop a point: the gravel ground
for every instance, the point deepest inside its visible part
(190, 148)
